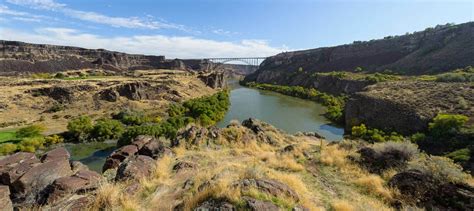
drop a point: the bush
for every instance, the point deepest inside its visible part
(446, 125)
(358, 69)
(440, 168)
(375, 135)
(30, 144)
(56, 107)
(132, 117)
(59, 75)
(80, 127)
(53, 139)
(380, 77)
(388, 155)
(460, 155)
(417, 137)
(8, 148)
(107, 129)
(30, 131)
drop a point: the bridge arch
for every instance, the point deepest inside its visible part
(216, 63)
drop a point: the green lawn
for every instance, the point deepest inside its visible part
(7, 135)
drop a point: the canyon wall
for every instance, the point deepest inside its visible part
(433, 50)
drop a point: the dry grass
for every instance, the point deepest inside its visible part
(331, 155)
(107, 196)
(342, 205)
(373, 184)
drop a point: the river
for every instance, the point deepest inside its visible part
(288, 113)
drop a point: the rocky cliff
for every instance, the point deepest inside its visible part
(19, 57)
(407, 107)
(430, 51)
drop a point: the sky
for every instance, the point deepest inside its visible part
(220, 28)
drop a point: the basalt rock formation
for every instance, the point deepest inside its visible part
(407, 107)
(433, 50)
(19, 57)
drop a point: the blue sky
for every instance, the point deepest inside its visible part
(220, 28)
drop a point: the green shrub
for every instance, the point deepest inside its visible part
(359, 131)
(358, 69)
(417, 137)
(30, 131)
(441, 168)
(53, 139)
(107, 129)
(133, 117)
(460, 155)
(30, 144)
(446, 124)
(41, 76)
(380, 77)
(80, 127)
(375, 135)
(59, 75)
(8, 148)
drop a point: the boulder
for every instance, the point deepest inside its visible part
(82, 181)
(257, 205)
(28, 186)
(183, 166)
(269, 186)
(253, 124)
(192, 135)
(77, 166)
(154, 149)
(135, 167)
(141, 140)
(59, 153)
(72, 203)
(215, 205)
(114, 159)
(5, 202)
(14, 166)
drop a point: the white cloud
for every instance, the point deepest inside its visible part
(125, 22)
(170, 46)
(18, 15)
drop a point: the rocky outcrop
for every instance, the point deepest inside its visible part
(135, 167)
(133, 91)
(431, 51)
(28, 181)
(423, 190)
(407, 107)
(214, 79)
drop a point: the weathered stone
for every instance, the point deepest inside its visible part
(78, 166)
(269, 186)
(5, 202)
(413, 184)
(257, 205)
(192, 135)
(141, 140)
(114, 159)
(183, 166)
(26, 188)
(14, 166)
(80, 182)
(213, 80)
(135, 167)
(215, 205)
(60, 153)
(72, 203)
(154, 149)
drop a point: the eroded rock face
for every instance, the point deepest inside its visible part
(135, 167)
(14, 166)
(30, 184)
(82, 181)
(18, 57)
(59, 153)
(258, 205)
(214, 80)
(119, 155)
(5, 202)
(62, 94)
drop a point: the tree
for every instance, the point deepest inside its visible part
(80, 127)
(30, 131)
(446, 124)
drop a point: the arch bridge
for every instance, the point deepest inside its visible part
(216, 63)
